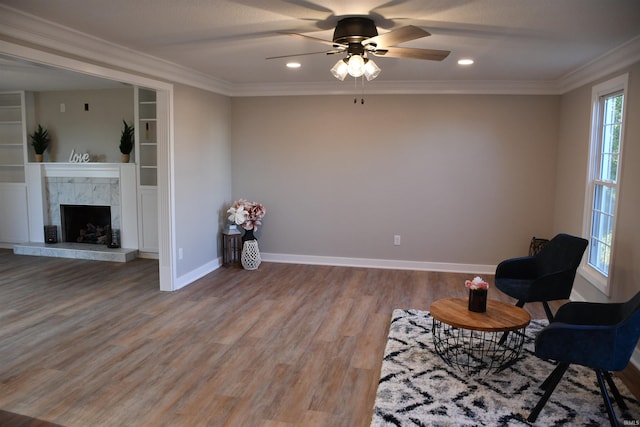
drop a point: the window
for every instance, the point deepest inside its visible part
(603, 182)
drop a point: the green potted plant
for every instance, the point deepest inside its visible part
(40, 141)
(126, 141)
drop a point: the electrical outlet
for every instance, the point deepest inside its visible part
(179, 253)
(396, 240)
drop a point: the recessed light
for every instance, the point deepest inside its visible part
(465, 61)
(293, 65)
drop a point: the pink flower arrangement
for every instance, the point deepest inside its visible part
(476, 283)
(246, 214)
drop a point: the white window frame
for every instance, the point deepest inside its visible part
(617, 84)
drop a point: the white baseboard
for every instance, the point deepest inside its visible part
(576, 296)
(379, 263)
(193, 275)
(202, 271)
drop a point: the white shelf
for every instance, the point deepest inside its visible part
(146, 137)
(12, 136)
(147, 169)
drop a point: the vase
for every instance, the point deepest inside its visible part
(250, 257)
(125, 158)
(39, 158)
(478, 300)
(248, 235)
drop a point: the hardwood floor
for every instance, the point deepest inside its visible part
(86, 343)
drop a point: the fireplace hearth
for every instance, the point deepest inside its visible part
(86, 224)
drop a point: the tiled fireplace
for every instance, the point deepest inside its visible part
(109, 185)
(81, 191)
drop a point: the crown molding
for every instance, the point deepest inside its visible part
(613, 61)
(36, 33)
(32, 32)
(80, 66)
(451, 87)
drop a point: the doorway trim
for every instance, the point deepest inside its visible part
(164, 104)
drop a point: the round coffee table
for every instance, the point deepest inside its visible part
(478, 342)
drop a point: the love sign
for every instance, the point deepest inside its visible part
(78, 158)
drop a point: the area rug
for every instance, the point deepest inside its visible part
(417, 388)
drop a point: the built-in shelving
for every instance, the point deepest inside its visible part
(12, 136)
(147, 169)
(14, 226)
(147, 137)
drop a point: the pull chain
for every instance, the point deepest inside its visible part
(355, 88)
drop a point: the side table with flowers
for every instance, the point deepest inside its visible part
(249, 216)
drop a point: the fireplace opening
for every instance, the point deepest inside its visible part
(86, 224)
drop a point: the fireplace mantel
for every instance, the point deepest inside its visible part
(38, 173)
(82, 170)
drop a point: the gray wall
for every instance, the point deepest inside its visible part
(202, 174)
(573, 152)
(96, 131)
(463, 179)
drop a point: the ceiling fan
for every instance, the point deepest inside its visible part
(357, 37)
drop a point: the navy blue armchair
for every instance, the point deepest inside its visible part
(597, 335)
(547, 276)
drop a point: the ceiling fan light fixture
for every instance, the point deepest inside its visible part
(356, 65)
(357, 36)
(340, 70)
(371, 70)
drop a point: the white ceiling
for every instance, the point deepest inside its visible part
(510, 40)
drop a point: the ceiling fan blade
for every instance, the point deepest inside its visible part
(407, 52)
(400, 35)
(327, 52)
(314, 39)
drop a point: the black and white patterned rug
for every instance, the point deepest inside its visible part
(417, 388)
